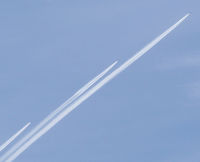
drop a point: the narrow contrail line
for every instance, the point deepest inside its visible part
(11, 139)
(60, 108)
(90, 93)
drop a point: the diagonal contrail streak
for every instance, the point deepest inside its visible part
(11, 139)
(89, 93)
(63, 106)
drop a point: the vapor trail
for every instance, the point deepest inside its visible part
(89, 93)
(60, 108)
(4, 145)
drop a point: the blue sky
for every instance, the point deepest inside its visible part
(150, 112)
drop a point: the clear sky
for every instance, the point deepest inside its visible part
(149, 113)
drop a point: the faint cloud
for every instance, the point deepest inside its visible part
(49, 1)
(180, 62)
(193, 89)
(192, 157)
(189, 66)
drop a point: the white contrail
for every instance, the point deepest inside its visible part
(4, 145)
(66, 103)
(88, 94)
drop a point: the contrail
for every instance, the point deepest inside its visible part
(89, 93)
(3, 146)
(60, 108)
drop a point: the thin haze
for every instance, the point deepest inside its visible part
(91, 92)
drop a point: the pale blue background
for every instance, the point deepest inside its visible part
(150, 113)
